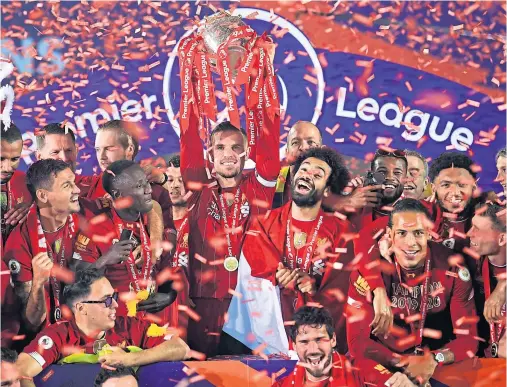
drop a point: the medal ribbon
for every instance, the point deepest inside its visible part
(145, 272)
(235, 216)
(424, 300)
(186, 51)
(289, 243)
(495, 329)
(40, 245)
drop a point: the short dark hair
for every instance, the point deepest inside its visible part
(501, 153)
(124, 137)
(118, 372)
(391, 154)
(42, 173)
(53, 128)
(339, 177)
(8, 355)
(81, 286)
(409, 152)
(408, 205)
(313, 316)
(450, 160)
(226, 126)
(10, 134)
(112, 174)
(491, 211)
(174, 160)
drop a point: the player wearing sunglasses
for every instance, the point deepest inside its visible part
(93, 324)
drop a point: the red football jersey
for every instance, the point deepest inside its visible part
(450, 311)
(13, 192)
(19, 250)
(209, 277)
(265, 246)
(97, 240)
(58, 340)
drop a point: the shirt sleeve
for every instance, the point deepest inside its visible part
(267, 160)
(368, 247)
(193, 166)
(18, 256)
(463, 305)
(359, 315)
(46, 348)
(138, 330)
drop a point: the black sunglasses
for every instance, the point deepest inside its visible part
(395, 153)
(108, 301)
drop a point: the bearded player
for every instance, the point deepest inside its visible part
(224, 200)
(294, 244)
(15, 198)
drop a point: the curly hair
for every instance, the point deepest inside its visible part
(450, 160)
(339, 177)
(314, 317)
(173, 160)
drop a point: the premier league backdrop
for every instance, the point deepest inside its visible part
(428, 76)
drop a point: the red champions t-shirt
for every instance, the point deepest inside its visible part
(12, 193)
(58, 340)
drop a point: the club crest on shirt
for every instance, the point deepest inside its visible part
(449, 243)
(46, 342)
(464, 274)
(321, 241)
(299, 239)
(58, 245)
(14, 266)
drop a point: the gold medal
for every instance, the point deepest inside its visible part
(231, 264)
(299, 239)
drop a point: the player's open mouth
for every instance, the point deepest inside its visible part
(303, 186)
(314, 360)
(411, 253)
(75, 200)
(456, 201)
(409, 188)
(112, 316)
(228, 163)
(473, 244)
(390, 186)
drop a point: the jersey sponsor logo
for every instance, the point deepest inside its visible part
(464, 274)
(361, 285)
(245, 209)
(14, 266)
(76, 255)
(383, 370)
(58, 245)
(183, 259)
(46, 342)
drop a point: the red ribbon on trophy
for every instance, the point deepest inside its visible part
(233, 50)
